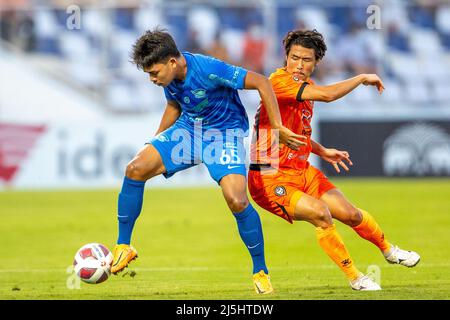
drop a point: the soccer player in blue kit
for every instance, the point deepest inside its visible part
(204, 122)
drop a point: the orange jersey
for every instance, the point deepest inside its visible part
(296, 115)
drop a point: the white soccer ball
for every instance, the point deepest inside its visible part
(92, 263)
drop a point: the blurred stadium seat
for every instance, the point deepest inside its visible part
(404, 66)
(413, 44)
(314, 18)
(441, 92)
(96, 23)
(417, 91)
(394, 92)
(425, 41)
(46, 29)
(74, 45)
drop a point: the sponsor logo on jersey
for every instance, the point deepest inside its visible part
(306, 122)
(199, 93)
(215, 77)
(199, 107)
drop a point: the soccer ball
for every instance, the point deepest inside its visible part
(92, 263)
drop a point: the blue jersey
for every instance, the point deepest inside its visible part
(209, 94)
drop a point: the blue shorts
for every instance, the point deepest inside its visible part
(223, 153)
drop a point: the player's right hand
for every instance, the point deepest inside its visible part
(336, 158)
(373, 80)
(291, 139)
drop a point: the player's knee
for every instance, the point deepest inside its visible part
(355, 217)
(237, 203)
(135, 171)
(322, 216)
(351, 216)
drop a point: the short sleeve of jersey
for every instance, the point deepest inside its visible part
(223, 74)
(285, 88)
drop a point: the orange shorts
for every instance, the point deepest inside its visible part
(278, 191)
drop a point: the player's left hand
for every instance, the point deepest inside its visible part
(336, 158)
(374, 80)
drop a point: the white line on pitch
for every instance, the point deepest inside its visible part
(162, 269)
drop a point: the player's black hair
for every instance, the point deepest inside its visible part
(154, 46)
(310, 39)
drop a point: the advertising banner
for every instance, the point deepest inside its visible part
(80, 155)
(401, 148)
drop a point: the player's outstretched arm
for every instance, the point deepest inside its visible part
(171, 114)
(338, 90)
(263, 85)
(333, 156)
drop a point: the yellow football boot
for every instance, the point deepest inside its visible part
(123, 255)
(261, 280)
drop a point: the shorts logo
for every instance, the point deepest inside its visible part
(162, 138)
(280, 191)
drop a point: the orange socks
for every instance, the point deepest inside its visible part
(331, 242)
(371, 231)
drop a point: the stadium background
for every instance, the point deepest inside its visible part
(74, 110)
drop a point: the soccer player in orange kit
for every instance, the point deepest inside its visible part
(282, 181)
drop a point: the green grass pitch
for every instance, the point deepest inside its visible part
(189, 247)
